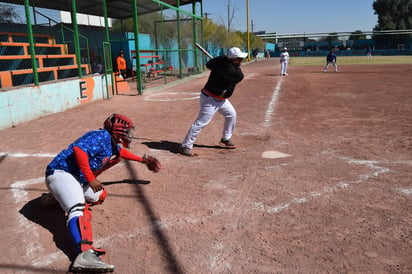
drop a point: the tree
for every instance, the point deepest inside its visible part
(393, 14)
(215, 34)
(235, 39)
(256, 42)
(357, 35)
(146, 23)
(8, 14)
(331, 37)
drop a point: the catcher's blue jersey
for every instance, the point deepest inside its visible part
(99, 147)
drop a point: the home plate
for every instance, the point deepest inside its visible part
(271, 154)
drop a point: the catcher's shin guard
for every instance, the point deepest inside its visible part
(80, 228)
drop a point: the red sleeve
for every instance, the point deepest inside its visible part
(82, 161)
(125, 154)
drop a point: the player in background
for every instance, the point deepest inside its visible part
(121, 65)
(330, 59)
(284, 62)
(214, 97)
(369, 52)
(255, 54)
(71, 179)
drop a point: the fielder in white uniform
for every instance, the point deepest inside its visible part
(214, 97)
(284, 61)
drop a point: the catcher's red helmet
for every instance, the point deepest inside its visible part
(121, 128)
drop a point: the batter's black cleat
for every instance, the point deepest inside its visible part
(227, 143)
(89, 262)
(185, 151)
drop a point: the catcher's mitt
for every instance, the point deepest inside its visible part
(152, 163)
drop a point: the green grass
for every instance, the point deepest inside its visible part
(351, 60)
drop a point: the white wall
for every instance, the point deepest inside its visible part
(84, 19)
(28, 103)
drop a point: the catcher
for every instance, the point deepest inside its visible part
(71, 179)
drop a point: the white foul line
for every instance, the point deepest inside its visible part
(31, 240)
(173, 97)
(23, 155)
(376, 171)
(271, 107)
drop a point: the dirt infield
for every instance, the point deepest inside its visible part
(320, 182)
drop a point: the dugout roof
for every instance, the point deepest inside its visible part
(118, 9)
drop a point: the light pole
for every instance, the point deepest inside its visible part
(247, 30)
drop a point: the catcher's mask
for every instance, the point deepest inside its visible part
(121, 128)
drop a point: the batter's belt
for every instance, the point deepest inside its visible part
(208, 93)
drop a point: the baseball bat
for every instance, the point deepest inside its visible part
(203, 50)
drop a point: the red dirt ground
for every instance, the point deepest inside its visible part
(338, 202)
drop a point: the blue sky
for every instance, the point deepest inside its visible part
(291, 16)
(296, 16)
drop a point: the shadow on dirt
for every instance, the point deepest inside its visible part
(163, 145)
(127, 181)
(53, 219)
(173, 264)
(173, 146)
(2, 158)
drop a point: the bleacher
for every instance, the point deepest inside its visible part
(153, 67)
(53, 61)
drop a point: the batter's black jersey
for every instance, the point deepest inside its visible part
(223, 77)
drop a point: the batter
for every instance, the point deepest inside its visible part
(214, 97)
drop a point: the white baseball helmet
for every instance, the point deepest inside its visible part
(236, 53)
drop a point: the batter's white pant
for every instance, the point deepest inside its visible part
(208, 107)
(68, 191)
(283, 68)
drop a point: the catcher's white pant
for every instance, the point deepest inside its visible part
(283, 68)
(70, 192)
(208, 107)
(327, 65)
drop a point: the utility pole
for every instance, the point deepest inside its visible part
(205, 14)
(228, 16)
(247, 30)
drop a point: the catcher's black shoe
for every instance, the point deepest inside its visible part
(227, 143)
(186, 151)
